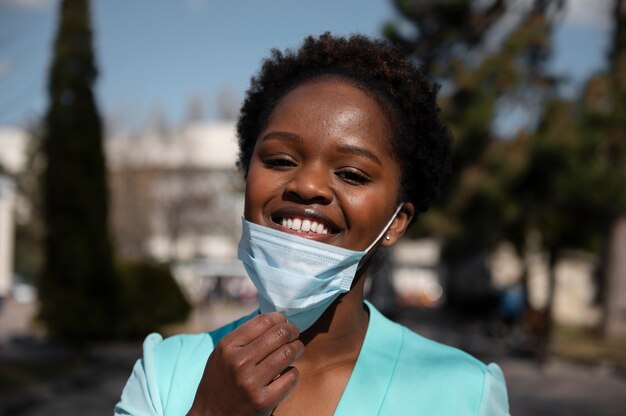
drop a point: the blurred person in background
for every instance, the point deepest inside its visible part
(341, 147)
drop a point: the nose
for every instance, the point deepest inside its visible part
(309, 184)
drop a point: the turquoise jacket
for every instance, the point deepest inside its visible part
(398, 372)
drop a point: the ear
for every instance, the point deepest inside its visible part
(399, 225)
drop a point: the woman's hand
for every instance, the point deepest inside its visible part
(249, 371)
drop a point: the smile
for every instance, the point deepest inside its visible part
(304, 225)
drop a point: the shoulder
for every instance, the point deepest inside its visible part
(180, 360)
(418, 350)
(436, 372)
(184, 353)
(478, 388)
(166, 378)
(158, 382)
(444, 357)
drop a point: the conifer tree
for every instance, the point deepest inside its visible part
(77, 288)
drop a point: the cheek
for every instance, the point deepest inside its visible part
(369, 208)
(375, 208)
(260, 188)
(253, 193)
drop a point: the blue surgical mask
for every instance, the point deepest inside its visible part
(296, 276)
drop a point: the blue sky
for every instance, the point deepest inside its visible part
(156, 54)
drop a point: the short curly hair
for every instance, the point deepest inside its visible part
(421, 142)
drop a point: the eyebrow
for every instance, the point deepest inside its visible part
(346, 148)
(359, 151)
(282, 135)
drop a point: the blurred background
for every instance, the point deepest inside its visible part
(120, 202)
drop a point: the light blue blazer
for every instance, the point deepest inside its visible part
(397, 373)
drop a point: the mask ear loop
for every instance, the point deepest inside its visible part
(385, 229)
(380, 236)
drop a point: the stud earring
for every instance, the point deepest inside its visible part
(387, 238)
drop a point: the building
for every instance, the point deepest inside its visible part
(7, 203)
(13, 144)
(179, 199)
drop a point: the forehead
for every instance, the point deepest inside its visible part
(330, 87)
(331, 107)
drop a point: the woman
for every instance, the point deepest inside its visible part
(341, 147)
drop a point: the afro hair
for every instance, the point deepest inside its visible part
(421, 142)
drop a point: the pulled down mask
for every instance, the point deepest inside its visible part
(296, 276)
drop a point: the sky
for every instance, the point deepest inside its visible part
(154, 55)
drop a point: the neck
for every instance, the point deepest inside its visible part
(338, 335)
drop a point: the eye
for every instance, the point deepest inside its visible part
(353, 176)
(279, 162)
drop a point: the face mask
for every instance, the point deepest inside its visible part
(295, 276)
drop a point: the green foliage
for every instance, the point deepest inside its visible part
(77, 288)
(478, 208)
(563, 180)
(570, 188)
(151, 298)
(573, 187)
(444, 30)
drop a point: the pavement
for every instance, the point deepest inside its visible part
(552, 387)
(558, 388)
(92, 390)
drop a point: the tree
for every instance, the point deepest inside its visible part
(450, 39)
(561, 180)
(443, 30)
(604, 123)
(78, 287)
(456, 41)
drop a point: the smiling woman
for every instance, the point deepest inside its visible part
(341, 146)
(324, 156)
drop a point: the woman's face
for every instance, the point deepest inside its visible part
(323, 169)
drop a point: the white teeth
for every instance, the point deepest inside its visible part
(304, 225)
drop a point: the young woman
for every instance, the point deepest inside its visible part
(341, 147)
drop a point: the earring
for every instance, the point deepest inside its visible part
(387, 238)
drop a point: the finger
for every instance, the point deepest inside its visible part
(272, 339)
(282, 386)
(275, 364)
(254, 328)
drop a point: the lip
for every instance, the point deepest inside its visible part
(308, 213)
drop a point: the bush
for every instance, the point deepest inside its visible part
(151, 298)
